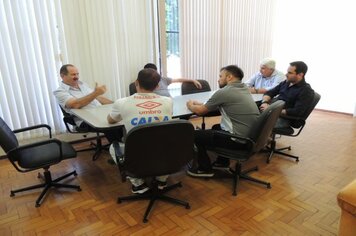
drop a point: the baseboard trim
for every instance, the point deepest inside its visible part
(335, 112)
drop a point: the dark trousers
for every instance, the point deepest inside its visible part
(116, 133)
(207, 138)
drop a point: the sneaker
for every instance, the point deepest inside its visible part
(140, 189)
(161, 185)
(200, 173)
(220, 166)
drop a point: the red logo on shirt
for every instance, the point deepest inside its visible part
(149, 105)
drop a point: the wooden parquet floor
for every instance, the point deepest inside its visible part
(302, 200)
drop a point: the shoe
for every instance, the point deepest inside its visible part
(140, 189)
(161, 185)
(200, 173)
(220, 166)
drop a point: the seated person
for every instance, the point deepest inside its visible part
(238, 112)
(73, 93)
(162, 88)
(127, 110)
(267, 78)
(294, 91)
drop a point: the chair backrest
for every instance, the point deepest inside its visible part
(189, 88)
(262, 128)
(299, 123)
(8, 140)
(158, 148)
(132, 88)
(312, 106)
(67, 118)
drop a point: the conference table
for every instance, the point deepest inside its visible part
(97, 117)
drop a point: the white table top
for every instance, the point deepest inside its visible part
(97, 117)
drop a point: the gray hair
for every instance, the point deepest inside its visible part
(269, 63)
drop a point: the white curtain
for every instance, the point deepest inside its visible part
(323, 34)
(108, 40)
(29, 60)
(215, 33)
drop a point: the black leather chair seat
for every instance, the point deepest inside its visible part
(284, 131)
(44, 155)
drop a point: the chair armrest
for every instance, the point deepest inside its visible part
(35, 127)
(16, 151)
(296, 122)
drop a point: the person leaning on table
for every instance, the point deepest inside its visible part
(132, 112)
(294, 91)
(75, 94)
(238, 112)
(162, 88)
(267, 78)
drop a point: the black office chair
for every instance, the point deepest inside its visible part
(72, 128)
(157, 149)
(35, 156)
(255, 140)
(189, 88)
(132, 88)
(294, 130)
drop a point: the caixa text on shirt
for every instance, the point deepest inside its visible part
(149, 119)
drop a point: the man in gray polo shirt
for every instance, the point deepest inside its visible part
(238, 112)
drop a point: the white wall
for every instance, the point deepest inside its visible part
(322, 34)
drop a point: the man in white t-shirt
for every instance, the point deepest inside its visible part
(141, 108)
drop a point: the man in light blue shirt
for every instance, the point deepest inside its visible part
(267, 78)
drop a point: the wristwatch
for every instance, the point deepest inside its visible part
(264, 102)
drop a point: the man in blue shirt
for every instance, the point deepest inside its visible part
(267, 78)
(296, 93)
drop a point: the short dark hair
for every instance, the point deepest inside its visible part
(148, 79)
(300, 67)
(150, 66)
(234, 70)
(64, 69)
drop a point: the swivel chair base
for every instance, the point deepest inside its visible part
(239, 174)
(155, 194)
(47, 185)
(272, 150)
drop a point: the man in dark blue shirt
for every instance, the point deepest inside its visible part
(296, 93)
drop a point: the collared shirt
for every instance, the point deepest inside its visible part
(163, 87)
(297, 96)
(258, 81)
(65, 92)
(237, 107)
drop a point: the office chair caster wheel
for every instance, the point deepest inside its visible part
(187, 206)
(180, 184)
(12, 194)
(39, 175)
(145, 221)
(118, 201)
(79, 189)
(269, 186)
(75, 173)
(297, 159)
(37, 204)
